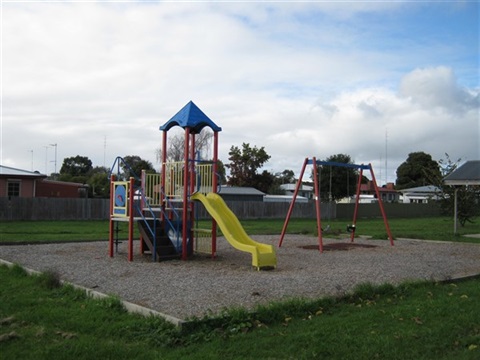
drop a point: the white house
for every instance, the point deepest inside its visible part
(305, 191)
(420, 195)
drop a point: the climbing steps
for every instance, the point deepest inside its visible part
(165, 249)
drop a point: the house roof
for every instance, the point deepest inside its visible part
(192, 117)
(236, 190)
(292, 187)
(467, 174)
(9, 171)
(429, 189)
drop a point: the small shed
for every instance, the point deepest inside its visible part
(466, 175)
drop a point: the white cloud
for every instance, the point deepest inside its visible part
(300, 79)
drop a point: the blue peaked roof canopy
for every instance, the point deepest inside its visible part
(192, 117)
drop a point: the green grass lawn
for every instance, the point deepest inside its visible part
(61, 231)
(39, 319)
(439, 228)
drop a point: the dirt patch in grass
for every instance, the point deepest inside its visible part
(338, 246)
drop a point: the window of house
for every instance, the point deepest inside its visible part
(13, 188)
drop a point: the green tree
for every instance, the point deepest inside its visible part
(286, 177)
(417, 171)
(135, 166)
(99, 183)
(75, 169)
(221, 173)
(244, 164)
(279, 178)
(337, 182)
(265, 182)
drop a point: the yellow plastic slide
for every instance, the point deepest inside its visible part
(263, 255)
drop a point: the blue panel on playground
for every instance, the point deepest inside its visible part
(192, 117)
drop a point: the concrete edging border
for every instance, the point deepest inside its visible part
(130, 307)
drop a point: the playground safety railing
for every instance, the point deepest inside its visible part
(152, 184)
(174, 182)
(140, 208)
(204, 178)
(176, 217)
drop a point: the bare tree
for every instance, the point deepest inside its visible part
(176, 146)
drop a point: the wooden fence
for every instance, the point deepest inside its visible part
(98, 209)
(53, 209)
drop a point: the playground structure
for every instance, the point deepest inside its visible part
(163, 205)
(351, 228)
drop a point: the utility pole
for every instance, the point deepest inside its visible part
(104, 149)
(46, 159)
(386, 156)
(55, 146)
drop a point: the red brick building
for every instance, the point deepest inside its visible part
(387, 192)
(28, 184)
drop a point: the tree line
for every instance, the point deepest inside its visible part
(245, 165)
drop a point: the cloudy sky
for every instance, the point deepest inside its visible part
(374, 80)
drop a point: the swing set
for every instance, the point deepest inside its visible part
(350, 228)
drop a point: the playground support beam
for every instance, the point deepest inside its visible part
(380, 203)
(191, 206)
(130, 219)
(185, 193)
(111, 236)
(339, 164)
(215, 187)
(163, 175)
(292, 204)
(318, 207)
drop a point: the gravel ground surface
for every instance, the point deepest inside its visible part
(201, 285)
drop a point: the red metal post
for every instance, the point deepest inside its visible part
(192, 186)
(163, 175)
(110, 230)
(142, 205)
(380, 203)
(130, 219)
(191, 164)
(317, 204)
(215, 186)
(357, 201)
(185, 194)
(292, 204)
